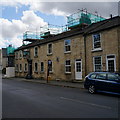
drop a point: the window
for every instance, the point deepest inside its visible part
(36, 67)
(93, 76)
(26, 53)
(112, 77)
(20, 67)
(67, 46)
(97, 64)
(67, 66)
(101, 76)
(42, 67)
(35, 51)
(20, 53)
(49, 49)
(16, 67)
(25, 69)
(50, 65)
(96, 41)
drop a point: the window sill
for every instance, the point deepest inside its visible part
(20, 71)
(42, 72)
(68, 73)
(25, 71)
(35, 56)
(51, 72)
(96, 50)
(68, 52)
(49, 54)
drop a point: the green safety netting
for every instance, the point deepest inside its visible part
(83, 17)
(10, 49)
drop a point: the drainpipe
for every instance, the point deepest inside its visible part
(85, 53)
(118, 31)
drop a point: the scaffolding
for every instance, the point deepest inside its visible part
(44, 31)
(82, 17)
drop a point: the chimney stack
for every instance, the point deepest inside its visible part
(110, 15)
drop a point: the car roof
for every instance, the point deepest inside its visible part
(105, 72)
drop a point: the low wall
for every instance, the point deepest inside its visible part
(10, 72)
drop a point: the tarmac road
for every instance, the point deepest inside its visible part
(32, 100)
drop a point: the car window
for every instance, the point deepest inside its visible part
(118, 75)
(93, 76)
(112, 77)
(101, 76)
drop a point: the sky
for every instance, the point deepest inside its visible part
(19, 16)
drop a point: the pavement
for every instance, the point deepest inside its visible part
(52, 82)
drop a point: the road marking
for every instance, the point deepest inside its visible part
(82, 102)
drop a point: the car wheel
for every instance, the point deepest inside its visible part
(91, 89)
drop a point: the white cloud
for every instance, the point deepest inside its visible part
(32, 20)
(65, 7)
(58, 12)
(12, 31)
(12, 28)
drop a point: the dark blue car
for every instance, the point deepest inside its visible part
(103, 82)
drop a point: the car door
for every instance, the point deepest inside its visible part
(113, 83)
(101, 82)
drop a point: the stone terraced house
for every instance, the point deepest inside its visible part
(71, 55)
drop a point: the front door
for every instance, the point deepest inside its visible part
(111, 65)
(29, 75)
(78, 69)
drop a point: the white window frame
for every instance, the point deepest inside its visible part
(67, 66)
(94, 62)
(49, 53)
(41, 67)
(51, 67)
(35, 68)
(20, 54)
(35, 55)
(20, 67)
(16, 67)
(94, 42)
(110, 59)
(65, 51)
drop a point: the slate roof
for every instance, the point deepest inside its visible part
(93, 28)
(103, 25)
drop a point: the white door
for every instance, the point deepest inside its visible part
(78, 69)
(111, 64)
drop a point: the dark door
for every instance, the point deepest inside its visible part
(29, 75)
(111, 66)
(111, 63)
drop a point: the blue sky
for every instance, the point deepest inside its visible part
(11, 12)
(17, 16)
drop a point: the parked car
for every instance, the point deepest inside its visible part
(103, 82)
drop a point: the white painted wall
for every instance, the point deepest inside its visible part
(10, 72)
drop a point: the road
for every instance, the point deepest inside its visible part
(33, 100)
